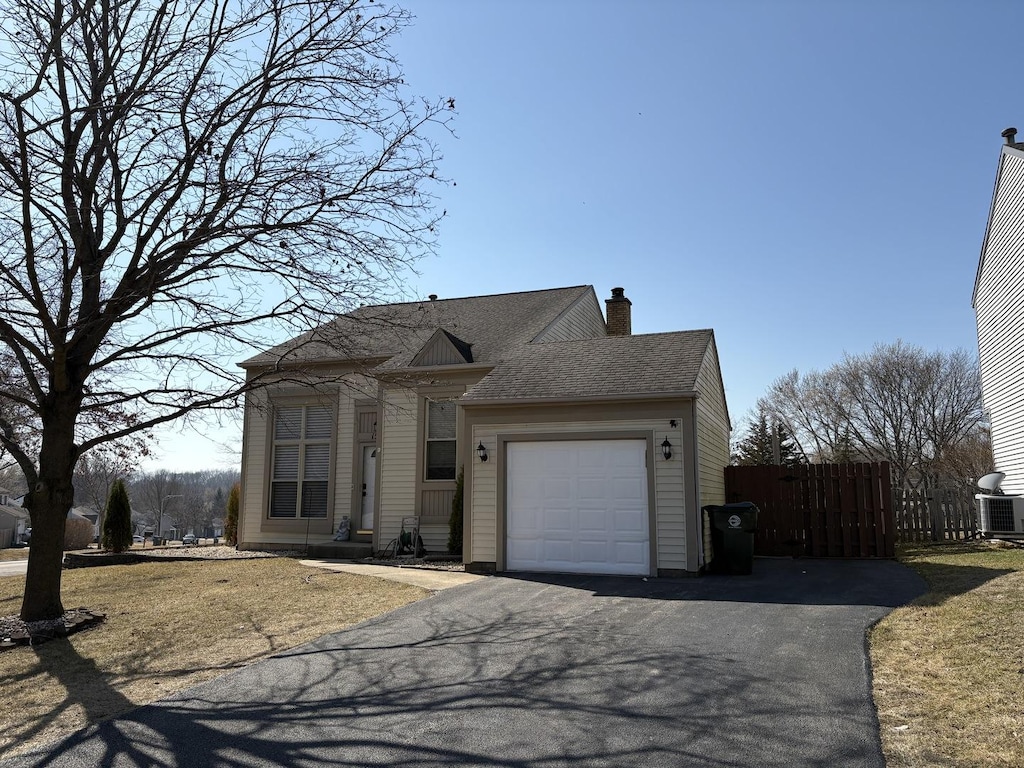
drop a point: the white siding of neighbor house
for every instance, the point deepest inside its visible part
(396, 491)
(712, 430)
(669, 489)
(999, 306)
(255, 464)
(582, 320)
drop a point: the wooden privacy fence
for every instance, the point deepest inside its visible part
(818, 510)
(935, 514)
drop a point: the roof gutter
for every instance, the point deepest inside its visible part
(513, 401)
(285, 364)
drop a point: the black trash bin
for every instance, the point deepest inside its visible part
(732, 536)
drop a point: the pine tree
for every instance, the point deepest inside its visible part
(117, 521)
(757, 448)
(231, 519)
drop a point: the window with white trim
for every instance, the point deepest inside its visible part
(301, 467)
(440, 440)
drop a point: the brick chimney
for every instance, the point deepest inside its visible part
(617, 309)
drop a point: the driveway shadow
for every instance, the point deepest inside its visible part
(882, 583)
(546, 672)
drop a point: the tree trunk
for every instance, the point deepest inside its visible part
(48, 504)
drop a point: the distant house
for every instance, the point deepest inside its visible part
(14, 519)
(999, 308)
(585, 448)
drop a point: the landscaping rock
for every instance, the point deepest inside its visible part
(15, 632)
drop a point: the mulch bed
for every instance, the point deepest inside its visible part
(15, 632)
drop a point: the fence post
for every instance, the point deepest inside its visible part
(938, 532)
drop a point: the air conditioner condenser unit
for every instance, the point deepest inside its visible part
(1000, 516)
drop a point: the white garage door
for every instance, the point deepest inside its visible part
(578, 506)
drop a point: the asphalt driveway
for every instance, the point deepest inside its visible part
(761, 670)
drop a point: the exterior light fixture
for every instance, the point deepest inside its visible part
(666, 449)
(481, 451)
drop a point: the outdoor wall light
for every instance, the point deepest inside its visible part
(666, 449)
(481, 451)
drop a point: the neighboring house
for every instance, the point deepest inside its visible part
(14, 519)
(585, 448)
(998, 303)
(90, 514)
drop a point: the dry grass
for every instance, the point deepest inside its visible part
(170, 625)
(949, 668)
(18, 553)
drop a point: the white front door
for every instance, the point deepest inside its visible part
(578, 506)
(369, 487)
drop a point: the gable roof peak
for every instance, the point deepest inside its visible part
(443, 348)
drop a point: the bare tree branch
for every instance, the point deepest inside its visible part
(183, 183)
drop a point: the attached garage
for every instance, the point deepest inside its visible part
(595, 456)
(578, 506)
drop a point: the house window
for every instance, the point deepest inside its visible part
(302, 460)
(440, 448)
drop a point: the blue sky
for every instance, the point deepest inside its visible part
(807, 178)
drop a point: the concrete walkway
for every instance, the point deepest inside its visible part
(14, 567)
(427, 578)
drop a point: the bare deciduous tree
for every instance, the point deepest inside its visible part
(898, 403)
(812, 408)
(98, 470)
(179, 180)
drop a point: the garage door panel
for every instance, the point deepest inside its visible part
(627, 489)
(556, 521)
(533, 494)
(594, 552)
(631, 552)
(594, 521)
(524, 549)
(631, 523)
(529, 517)
(592, 512)
(591, 458)
(592, 488)
(626, 455)
(556, 489)
(556, 551)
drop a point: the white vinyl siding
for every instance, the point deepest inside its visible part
(669, 491)
(998, 301)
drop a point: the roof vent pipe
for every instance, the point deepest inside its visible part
(432, 297)
(1010, 134)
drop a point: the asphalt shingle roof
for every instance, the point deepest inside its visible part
(610, 366)
(491, 325)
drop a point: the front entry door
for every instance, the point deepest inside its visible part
(369, 487)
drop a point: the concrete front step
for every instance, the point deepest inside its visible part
(341, 550)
